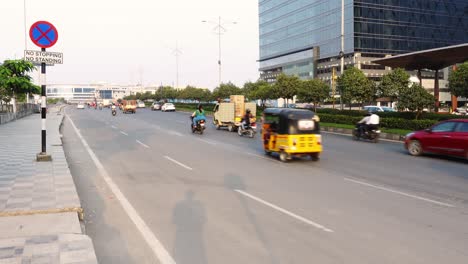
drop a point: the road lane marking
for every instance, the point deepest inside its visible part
(178, 163)
(400, 193)
(123, 133)
(174, 133)
(156, 246)
(207, 141)
(141, 143)
(284, 211)
(114, 127)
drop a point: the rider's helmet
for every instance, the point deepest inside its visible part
(247, 111)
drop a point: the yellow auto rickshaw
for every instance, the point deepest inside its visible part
(291, 132)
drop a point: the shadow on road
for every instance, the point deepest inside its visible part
(189, 217)
(235, 182)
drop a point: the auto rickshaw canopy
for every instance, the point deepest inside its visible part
(291, 121)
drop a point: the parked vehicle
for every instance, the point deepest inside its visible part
(155, 106)
(80, 105)
(460, 111)
(388, 109)
(129, 106)
(168, 107)
(230, 114)
(448, 137)
(373, 108)
(291, 132)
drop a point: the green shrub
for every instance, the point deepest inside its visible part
(385, 122)
(402, 115)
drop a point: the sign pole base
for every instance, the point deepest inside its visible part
(41, 157)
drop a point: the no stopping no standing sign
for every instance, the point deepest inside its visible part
(43, 34)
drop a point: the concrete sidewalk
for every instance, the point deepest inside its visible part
(39, 204)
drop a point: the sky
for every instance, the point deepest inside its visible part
(126, 42)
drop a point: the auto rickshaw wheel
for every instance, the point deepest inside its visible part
(267, 152)
(284, 157)
(315, 156)
(218, 127)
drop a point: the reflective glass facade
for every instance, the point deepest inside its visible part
(400, 26)
(292, 25)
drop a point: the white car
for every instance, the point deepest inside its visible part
(80, 106)
(141, 105)
(168, 107)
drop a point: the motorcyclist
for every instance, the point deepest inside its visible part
(369, 122)
(198, 115)
(246, 119)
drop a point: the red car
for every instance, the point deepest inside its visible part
(449, 137)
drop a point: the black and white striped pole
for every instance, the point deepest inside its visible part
(44, 35)
(43, 156)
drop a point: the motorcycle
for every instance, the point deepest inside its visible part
(248, 130)
(200, 127)
(372, 135)
(114, 110)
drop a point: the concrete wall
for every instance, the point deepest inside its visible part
(25, 111)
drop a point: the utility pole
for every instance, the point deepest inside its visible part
(219, 30)
(177, 52)
(342, 51)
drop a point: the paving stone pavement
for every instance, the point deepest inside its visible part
(27, 186)
(51, 249)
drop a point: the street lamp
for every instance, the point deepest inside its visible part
(219, 30)
(342, 50)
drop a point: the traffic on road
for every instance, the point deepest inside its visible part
(215, 197)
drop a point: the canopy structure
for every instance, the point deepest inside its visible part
(432, 59)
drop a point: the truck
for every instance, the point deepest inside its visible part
(129, 106)
(229, 114)
(106, 102)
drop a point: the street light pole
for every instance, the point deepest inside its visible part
(219, 30)
(177, 53)
(342, 51)
(219, 50)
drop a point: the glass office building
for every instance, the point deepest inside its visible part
(300, 36)
(402, 26)
(291, 29)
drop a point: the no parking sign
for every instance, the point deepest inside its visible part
(43, 34)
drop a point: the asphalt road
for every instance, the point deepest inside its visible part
(216, 198)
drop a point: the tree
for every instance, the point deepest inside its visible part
(314, 91)
(145, 96)
(15, 80)
(193, 93)
(458, 81)
(355, 86)
(393, 83)
(168, 92)
(225, 90)
(415, 98)
(286, 86)
(259, 90)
